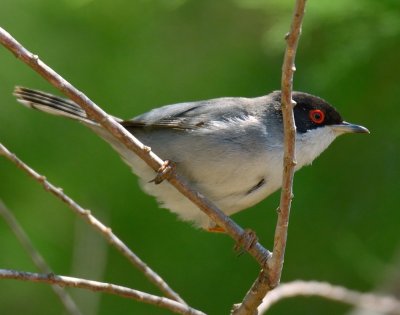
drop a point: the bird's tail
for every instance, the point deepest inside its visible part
(51, 104)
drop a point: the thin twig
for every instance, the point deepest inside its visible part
(289, 159)
(37, 258)
(121, 291)
(94, 112)
(269, 278)
(381, 304)
(100, 227)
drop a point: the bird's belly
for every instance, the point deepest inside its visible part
(237, 184)
(244, 190)
(232, 184)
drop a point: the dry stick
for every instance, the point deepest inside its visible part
(381, 304)
(94, 112)
(169, 304)
(289, 159)
(37, 259)
(269, 277)
(100, 227)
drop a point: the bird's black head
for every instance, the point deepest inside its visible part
(312, 112)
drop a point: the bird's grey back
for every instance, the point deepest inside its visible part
(211, 130)
(192, 115)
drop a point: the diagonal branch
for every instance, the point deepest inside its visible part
(37, 258)
(100, 227)
(94, 112)
(121, 291)
(269, 277)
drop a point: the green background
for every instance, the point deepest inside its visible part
(131, 56)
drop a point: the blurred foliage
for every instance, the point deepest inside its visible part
(130, 56)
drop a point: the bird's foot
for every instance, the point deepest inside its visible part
(247, 240)
(164, 172)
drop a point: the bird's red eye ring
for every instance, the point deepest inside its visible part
(317, 116)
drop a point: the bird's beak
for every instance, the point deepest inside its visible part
(346, 127)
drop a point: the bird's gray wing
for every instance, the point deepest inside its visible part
(191, 115)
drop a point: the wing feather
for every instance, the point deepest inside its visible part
(191, 115)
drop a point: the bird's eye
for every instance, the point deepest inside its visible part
(317, 116)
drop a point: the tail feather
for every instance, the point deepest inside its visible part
(51, 104)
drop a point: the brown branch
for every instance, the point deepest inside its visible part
(121, 291)
(37, 258)
(289, 159)
(377, 303)
(269, 278)
(95, 223)
(120, 133)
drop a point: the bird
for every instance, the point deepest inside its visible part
(229, 149)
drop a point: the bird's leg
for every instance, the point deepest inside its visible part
(246, 241)
(216, 229)
(164, 172)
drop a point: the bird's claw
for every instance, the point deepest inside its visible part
(247, 240)
(164, 172)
